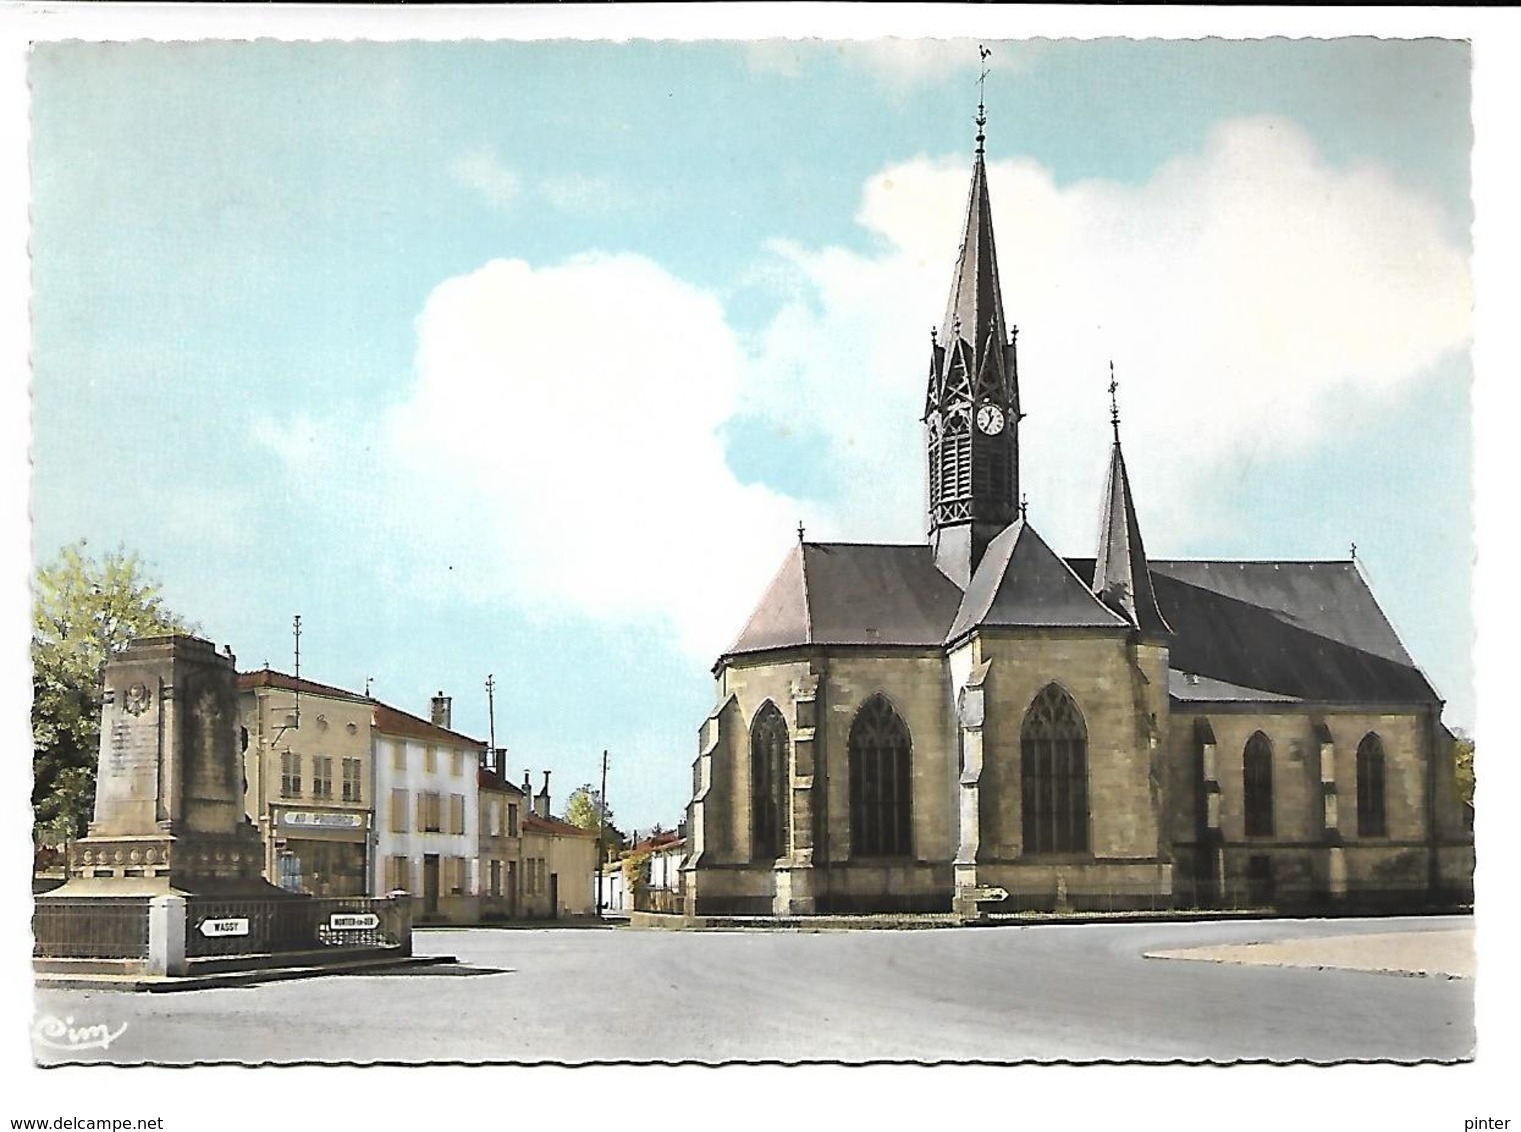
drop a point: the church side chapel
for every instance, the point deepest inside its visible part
(915, 728)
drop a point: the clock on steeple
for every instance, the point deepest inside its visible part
(971, 412)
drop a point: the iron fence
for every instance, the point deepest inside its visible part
(216, 927)
(104, 927)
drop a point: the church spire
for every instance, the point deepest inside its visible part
(971, 411)
(1121, 576)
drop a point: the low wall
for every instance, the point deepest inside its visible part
(176, 935)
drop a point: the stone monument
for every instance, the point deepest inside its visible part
(169, 815)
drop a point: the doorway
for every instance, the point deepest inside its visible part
(430, 884)
(554, 896)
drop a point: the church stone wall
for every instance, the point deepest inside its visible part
(821, 696)
(1098, 673)
(1315, 852)
(918, 687)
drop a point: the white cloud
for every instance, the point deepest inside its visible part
(1238, 291)
(560, 451)
(578, 194)
(498, 185)
(483, 172)
(561, 448)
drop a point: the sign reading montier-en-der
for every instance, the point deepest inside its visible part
(211, 928)
(353, 921)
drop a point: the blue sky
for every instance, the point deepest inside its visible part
(527, 358)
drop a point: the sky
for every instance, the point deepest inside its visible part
(526, 359)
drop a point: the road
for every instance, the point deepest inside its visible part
(1006, 994)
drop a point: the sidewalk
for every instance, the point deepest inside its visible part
(1447, 954)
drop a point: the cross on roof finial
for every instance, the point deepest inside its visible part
(1114, 402)
(982, 86)
(1024, 506)
(1354, 552)
(800, 532)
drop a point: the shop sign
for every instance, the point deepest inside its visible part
(315, 819)
(353, 921)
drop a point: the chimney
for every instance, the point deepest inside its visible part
(541, 803)
(442, 710)
(527, 787)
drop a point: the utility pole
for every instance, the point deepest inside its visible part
(491, 717)
(601, 831)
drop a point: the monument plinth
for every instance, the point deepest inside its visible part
(169, 782)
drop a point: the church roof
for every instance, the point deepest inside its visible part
(1022, 582)
(974, 311)
(1241, 631)
(1120, 575)
(1305, 630)
(852, 594)
(1190, 687)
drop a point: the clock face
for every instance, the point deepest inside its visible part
(990, 419)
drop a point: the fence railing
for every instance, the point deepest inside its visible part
(215, 927)
(106, 927)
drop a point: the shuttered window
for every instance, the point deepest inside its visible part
(398, 811)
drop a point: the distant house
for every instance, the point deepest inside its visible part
(660, 888)
(559, 864)
(501, 844)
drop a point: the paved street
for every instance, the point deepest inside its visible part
(1049, 992)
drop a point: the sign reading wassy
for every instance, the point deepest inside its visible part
(353, 921)
(229, 926)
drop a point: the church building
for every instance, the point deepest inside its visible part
(980, 725)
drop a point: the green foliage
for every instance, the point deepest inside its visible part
(1462, 762)
(583, 808)
(84, 611)
(636, 872)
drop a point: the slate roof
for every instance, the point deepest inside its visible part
(1306, 630)
(974, 310)
(1021, 582)
(1120, 575)
(1243, 631)
(833, 593)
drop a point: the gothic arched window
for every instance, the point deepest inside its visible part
(1370, 787)
(1257, 785)
(1053, 768)
(768, 783)
(881, 785)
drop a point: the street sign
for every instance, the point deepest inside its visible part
(988, 893)
(214, 928)
(353, 921)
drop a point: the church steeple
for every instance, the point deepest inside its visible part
(971, 410)
(1121, 576)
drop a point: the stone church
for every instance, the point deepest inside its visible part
(980, 725)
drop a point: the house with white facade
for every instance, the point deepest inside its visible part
(427, 812)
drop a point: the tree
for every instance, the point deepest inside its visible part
(583, 808)
(1462, 762)
(84, 612)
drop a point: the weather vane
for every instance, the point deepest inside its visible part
(1114, 403)
(982, 89)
